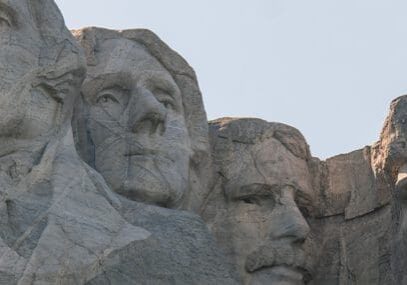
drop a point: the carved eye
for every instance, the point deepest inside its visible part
(164, 98)
(260, 202)
(168, 104)
(106, 99)
(248, 200)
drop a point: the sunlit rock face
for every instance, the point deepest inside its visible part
(263, 196)
(360, 210)
(48, 232)
(60, 223)
(31, 91)
(143, 118)
(103, 202)
(354, 222)
(390, 162)
(140, 122)
(281, 215)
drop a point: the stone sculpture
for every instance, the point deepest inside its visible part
(48, 232)
(60, 222)
(143, 111)
(141, 123)
(116, 198)
(263, 193)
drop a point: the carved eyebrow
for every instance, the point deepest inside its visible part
(257, 189)
(9, 13)
(160, 80)
(120, 80)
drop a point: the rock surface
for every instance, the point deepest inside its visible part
(141, 121)
(389, 160)
(349, 210)
(263, 195)
(60, 222)
(108, 171)
(48, 232)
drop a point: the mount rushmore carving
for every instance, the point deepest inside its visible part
(111, 174)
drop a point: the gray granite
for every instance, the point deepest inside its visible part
(110, 174)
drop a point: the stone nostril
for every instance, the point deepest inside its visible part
(151, 123)
(299, 241)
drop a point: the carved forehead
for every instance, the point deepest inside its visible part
(252, 151)
(17, 5)
(124, 55)
(22, 20)
(267, 160)
(12, 10)
(226, 132)
(38, 32)
(35, 14)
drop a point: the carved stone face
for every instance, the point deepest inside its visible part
(27, 108)
(266, 185)
(137, 124)
(258, 206)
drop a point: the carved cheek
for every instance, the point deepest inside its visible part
(103, 126)
(43, 103)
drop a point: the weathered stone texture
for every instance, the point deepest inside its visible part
(355, 216)
(60, 222)
(109, 174)
(263, 194)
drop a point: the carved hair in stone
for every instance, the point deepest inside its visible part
(141, 123)
(56, 224)
(262, 195)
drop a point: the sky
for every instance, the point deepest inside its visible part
(327, 67)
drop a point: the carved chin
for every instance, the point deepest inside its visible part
(152, 191)
(150, 186)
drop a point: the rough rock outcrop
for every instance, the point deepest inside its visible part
(354, 217)
(107, 174)
(390, 160)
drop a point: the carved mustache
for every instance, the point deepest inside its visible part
(270, 255)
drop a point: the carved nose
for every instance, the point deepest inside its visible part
(290, 224)
(147, 114)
